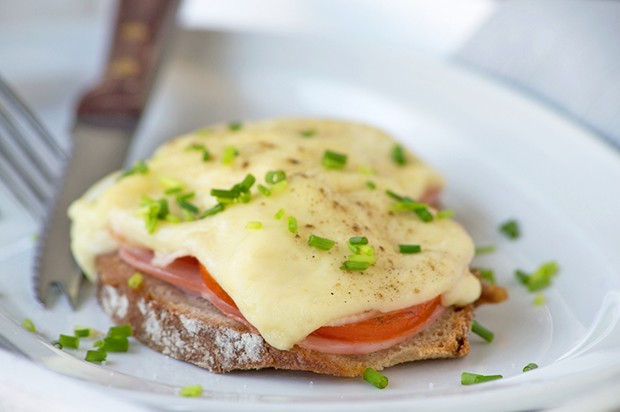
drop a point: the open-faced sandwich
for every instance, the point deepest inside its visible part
(295, 244)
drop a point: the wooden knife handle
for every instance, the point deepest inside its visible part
(140, 32)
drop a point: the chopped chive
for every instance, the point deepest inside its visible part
(354, 265)
(67, 341)
(371, 185)
(399, 198)
(540, 299)
(445, 214)
(264, 190)
(235, 126)
(115, 343)
(358, 240)
(81, 332)
(96, 356)
(398, 155)
(408, 206)
(371, 260)
(135, 281)
(365, 250)
(307, 133)
(224, 193)
(510, 229)
(121, 330)
(246, 184)
(190, 207)
(171, 185)
(320, 242)
(254, 225)
(98, 343)
(484, 250)
(487, 275)
(424, 215)
(279, 187)
(409, 249)
(28, 325)
(274, 176)
(187, 217)
(56, 344)
(481, 331)
(279, 214)
(473, 378)
(333, 160)
(206, 155)
(213, 210)
(375, 378)
(541, 278)
(191, 391)
(139, 167)
(292, 225)
(153, 211)
(230, 153)
(529, 367)
(185, 196)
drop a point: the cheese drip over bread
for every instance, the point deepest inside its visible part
(285, 288)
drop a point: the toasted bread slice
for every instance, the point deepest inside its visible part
(189, 328)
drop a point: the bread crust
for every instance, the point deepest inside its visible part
(190, 329)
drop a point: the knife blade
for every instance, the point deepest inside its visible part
(106, 119)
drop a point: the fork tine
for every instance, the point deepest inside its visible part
(30, 158)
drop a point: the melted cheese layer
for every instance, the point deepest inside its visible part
(284, 287)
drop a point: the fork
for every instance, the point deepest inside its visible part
(30, 158)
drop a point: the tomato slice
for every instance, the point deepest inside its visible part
(383, 327)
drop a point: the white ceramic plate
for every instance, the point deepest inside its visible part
(503, 156)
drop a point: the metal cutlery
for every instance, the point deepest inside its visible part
(106, 119)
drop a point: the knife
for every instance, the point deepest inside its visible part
(106, 118)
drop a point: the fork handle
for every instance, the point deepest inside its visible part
(141, 28)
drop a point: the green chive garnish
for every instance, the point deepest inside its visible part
(81, 332)
(333, 160)
(307, 133)
(320, 242)
(398, 155)
(224, 193)
(540, 299)
(214, 210)
(487, 275)
(371, 185)
(409, 249)
(370, 259)
(139, 167)
(115, 344)
(404, 203)
(121, 330)
(28, 325)
(56, 344)
(275, 176)
(264, 190)
(375, 378)
(279, 214)
(510, 229)
(541, 278)
(353, 265)
(445, 214)
(473, 378)
(206, 155)
(481, 331)
(191, 391)
(485, 250)
(67, 341)
(292, 225)
(529, 367)
(135, 281)
(230, 153)
(96, 356)
(254, 225)
(358, 240)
